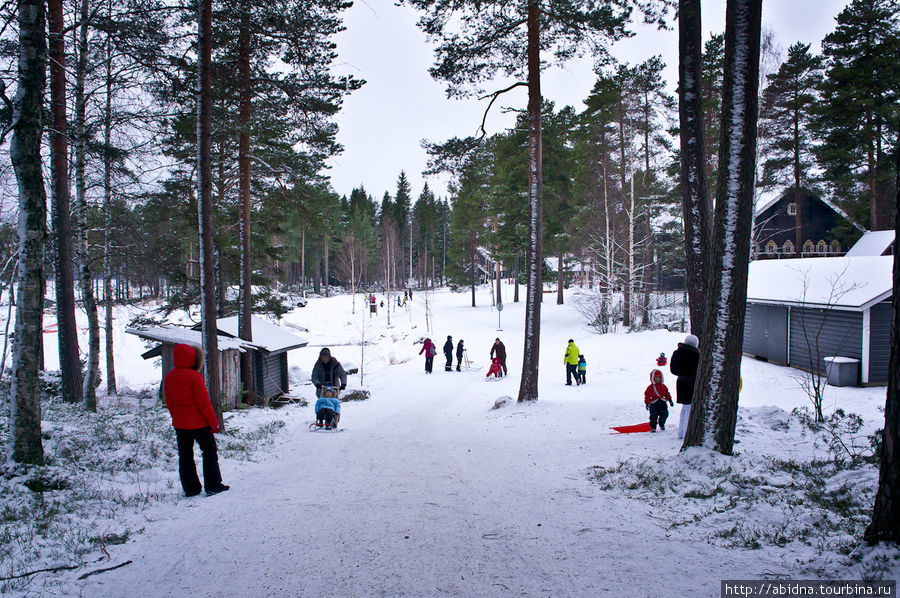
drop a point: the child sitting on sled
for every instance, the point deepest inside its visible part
(328, 408)
(655, 398)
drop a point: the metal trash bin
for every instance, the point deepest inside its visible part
(842, 371)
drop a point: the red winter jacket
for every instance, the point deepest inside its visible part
(656, 390)
(429, 348)
(185, 390)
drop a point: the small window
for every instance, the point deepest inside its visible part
(789, 247)
(821, 247)
(792, 209)
(808, 247)
(835, 247)
(771, 247)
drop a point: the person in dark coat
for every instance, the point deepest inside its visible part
(459, 354)
(194, 420)
(430, 351)
(684, 364)
(328, 372)
(448, 353)
(498, 349)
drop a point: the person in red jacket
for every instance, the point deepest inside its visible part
(430, 351)
(655, 398)
(194, 420)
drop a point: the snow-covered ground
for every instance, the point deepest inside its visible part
(428, 491)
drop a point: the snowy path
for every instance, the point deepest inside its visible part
(427, 508)
(429, 492)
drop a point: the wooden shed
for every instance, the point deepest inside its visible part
(802, 311)
(229, 356)
(268, 349)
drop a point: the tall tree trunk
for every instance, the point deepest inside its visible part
(245, 330)
(626, 303)
(82, 256)
(204, 208)
(25, 153)
(694, 191)
(714, 408)
(326, 266)
(798, 218)
(528, 387)
(885, 525)
(107, 228)
(69, 359)
(516, 279)
(560, 264)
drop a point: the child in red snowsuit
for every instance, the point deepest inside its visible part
(655, 398)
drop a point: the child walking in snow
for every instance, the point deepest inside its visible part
(582, 370)
(655, 398)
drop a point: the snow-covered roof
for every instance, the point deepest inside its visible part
(188, 336)
(268, 336)
(852, 283)
(872, 243)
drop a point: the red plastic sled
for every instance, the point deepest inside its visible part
(644, 427)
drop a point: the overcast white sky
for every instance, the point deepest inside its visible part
(382, 124)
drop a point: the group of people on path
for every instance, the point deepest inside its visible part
(195, 420)
(498, 350)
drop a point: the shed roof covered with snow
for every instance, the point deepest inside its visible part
(188, 336)
(873, 243)
(851, 283)
(267, 336)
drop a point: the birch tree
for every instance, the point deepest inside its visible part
(714, 411)
(25, 153)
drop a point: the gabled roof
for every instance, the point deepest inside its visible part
(766, 200)
(188, 336)
(267, 336)
(850, 283)
(872, 243)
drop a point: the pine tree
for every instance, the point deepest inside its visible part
(859, 110)
(714, 407)
(478, 39)
(694, 173)
(787, 107)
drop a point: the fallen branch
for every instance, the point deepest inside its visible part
(47, 570)
(105, 569)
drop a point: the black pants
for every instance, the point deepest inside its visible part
(458, 362)
(658, 412)
(503, 365)
(582, 376)
(571, 370)
(449, 366)
(328, 416)
(429, 362)
(187, 469)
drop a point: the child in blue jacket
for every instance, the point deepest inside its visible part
(328, 411)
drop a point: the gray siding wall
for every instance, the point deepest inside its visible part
(879, 342)
(765, 332)
(832, 332)
(269, 375)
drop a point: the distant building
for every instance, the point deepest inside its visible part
(874, 243)
(827, 231)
